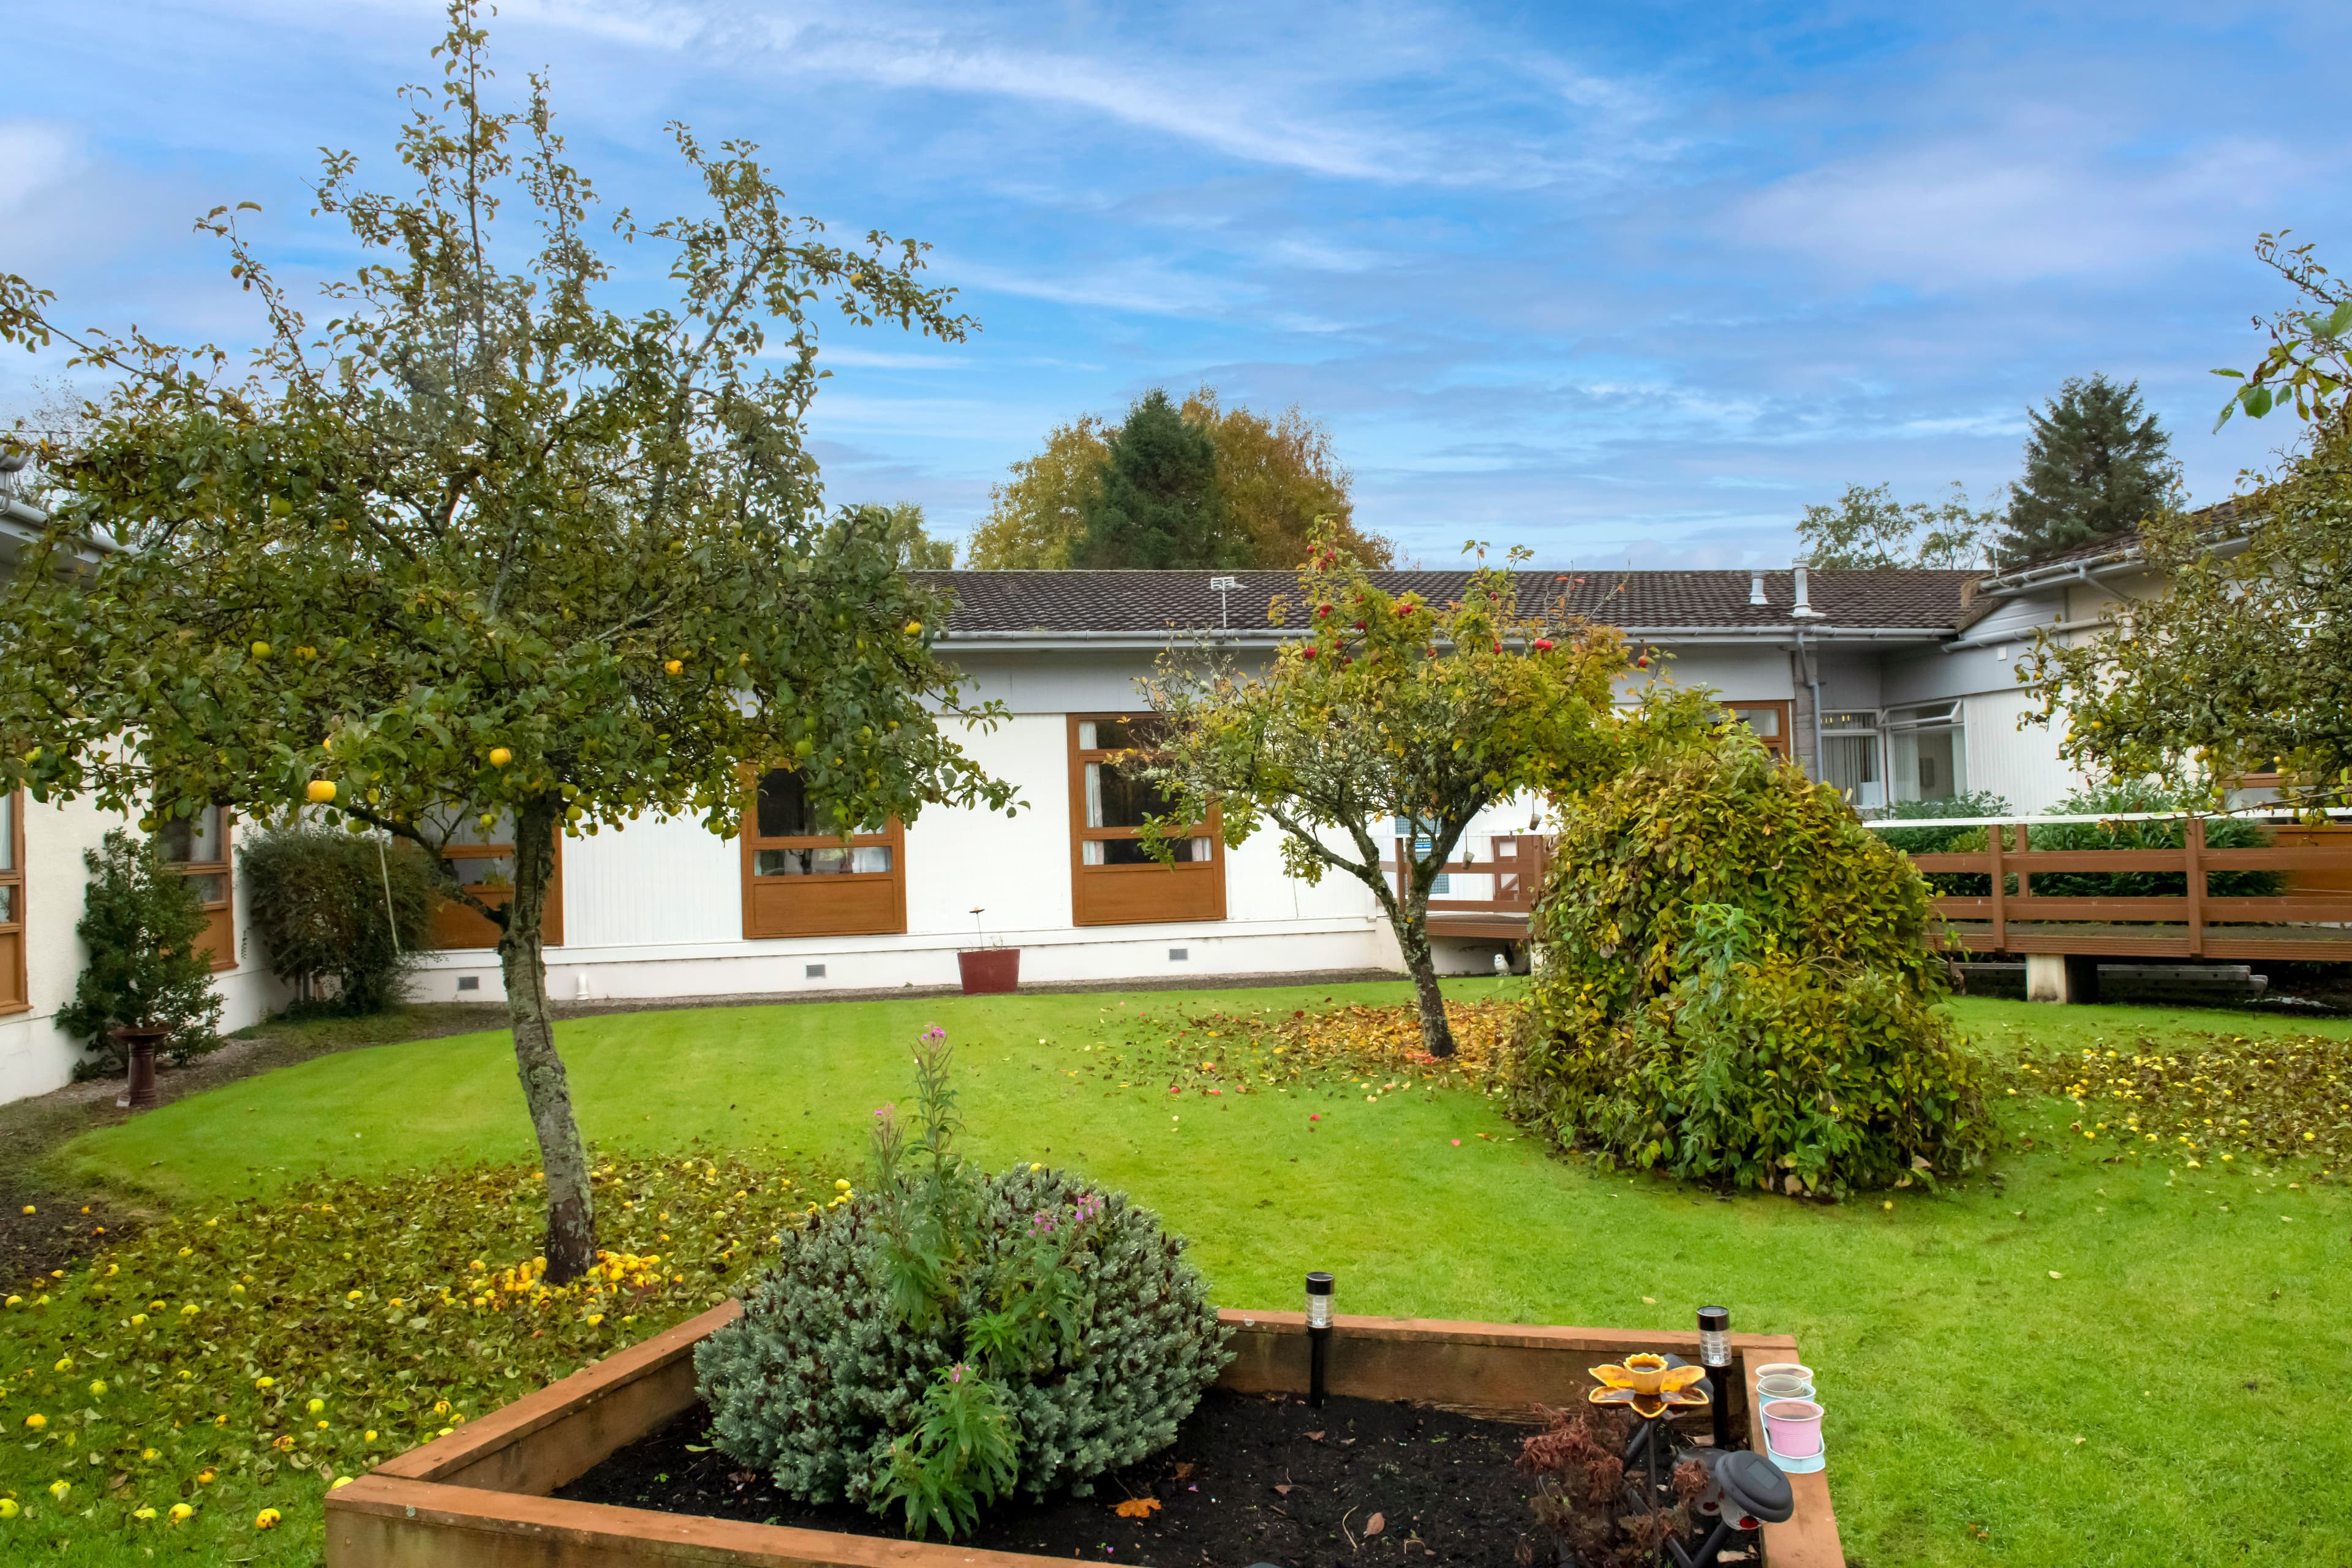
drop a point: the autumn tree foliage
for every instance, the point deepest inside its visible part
(1386, 708)
(481, 550)
(1256, 505)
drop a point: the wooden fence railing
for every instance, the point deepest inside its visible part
(2314, 924)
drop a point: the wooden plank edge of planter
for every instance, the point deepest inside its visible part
(478, 1497)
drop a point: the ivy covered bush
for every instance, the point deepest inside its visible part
(948, 1336)
(1739, 985)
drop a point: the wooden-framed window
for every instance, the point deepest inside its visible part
(1112, 880)
(13, 997)
(485, 860)
(1768, 722)
(197, 847)
(800, 881)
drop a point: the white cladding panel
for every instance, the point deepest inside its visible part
(2021, 765)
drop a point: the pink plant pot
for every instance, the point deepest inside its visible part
(1794, 1427)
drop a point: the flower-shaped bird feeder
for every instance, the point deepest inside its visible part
(1650, 1383)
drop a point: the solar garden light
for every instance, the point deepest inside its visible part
(1715, 1354)
(1744, 1492)
(1319, 1332)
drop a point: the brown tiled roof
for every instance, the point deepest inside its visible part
(1045, 603)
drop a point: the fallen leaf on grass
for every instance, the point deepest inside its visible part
(2055, 1275)
(1375, 1525)
(1137, 1508)
(1184, 1469)
(1282, 1491)
(1315, 1436)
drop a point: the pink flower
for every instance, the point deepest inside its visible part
(1311, 1117)
(1457, 1142)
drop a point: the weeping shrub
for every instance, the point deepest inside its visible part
(946, 1337)
(342, 915)
(1739, 985)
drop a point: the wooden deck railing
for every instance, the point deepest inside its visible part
(2315, 923)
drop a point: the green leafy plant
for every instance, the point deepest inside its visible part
(331, 905)
(141, 923)
(1739, 986)
(1947, 840)
(2138, 796)
(948, 1335)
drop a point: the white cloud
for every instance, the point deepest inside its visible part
(2042, 198)
(35, 157)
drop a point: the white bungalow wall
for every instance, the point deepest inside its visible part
(656, 910)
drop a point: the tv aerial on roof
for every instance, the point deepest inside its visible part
(1223, 587)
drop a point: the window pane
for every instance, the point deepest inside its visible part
(1116, 799)
(7, 832)
(1765, 721)
(8, 916)
(1090, 852)
(485, 870)
(1130, 852)
(1850, 766)
(784, 806)
(192, 840)
(1137, 731)
(837, 860)
(1929, 764)
(468, 829)
(210, 889)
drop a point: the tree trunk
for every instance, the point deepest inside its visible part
(570, 1206)
(1412, 936)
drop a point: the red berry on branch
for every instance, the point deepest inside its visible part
(1306, 653)
(1543, 645)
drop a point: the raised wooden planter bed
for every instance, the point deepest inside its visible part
(479, 1497)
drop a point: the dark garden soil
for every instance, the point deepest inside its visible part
(1250, 1478)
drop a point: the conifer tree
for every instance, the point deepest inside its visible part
(1158, 505)
(2096, 463)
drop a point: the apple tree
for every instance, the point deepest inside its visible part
(1388, 708)
(486, 546)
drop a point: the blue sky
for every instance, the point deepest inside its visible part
(1618, 283)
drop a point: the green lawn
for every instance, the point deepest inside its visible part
(2166, 1396)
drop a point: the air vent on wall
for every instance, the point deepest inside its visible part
(1178, 954)
(814, 972)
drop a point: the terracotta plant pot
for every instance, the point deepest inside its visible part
(990, 970)
(138, 1045)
